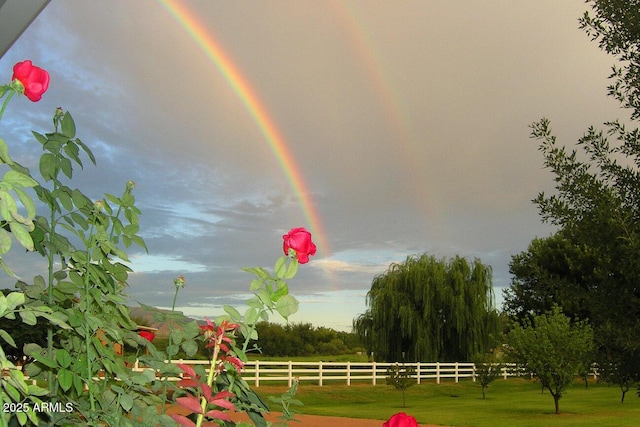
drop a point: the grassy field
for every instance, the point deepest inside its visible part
(514, 402)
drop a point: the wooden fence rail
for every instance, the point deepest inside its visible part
(258, 372)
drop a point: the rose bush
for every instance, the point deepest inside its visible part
(299, 239)
(81, 297)
(401, 420)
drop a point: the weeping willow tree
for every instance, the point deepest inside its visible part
(429, 309)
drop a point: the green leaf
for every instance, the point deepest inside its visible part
(287, 305)
(65, 379)
(264, 296)
(48, 165)
(190, 348)
(4, 153)
(176, 336)
(40, 137)
(292, 269)
(79, 199)
(87, 150)
(22, 235)
(280, 267)
(4, 304)
(18, 179)
(65, 198)
(63, 358)
(14, 299)
(258, 271)
(5, 241)
(8, 206)
(251, 316)
(28, 317)
(66, 167)
(8, 338)
(27, 202)
(233, 313)
(45, 360)
(126, 401)
(71, 149)
(12, 392)
(57, 318)
(68, 126)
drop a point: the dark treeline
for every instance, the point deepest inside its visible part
(303, 339)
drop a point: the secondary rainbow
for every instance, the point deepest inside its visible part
(203, 37)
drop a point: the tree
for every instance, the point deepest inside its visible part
(596, 206)
(401, 378)
(487, 369)
(616, 27)
(618, 357)
(551, 348)
(429, 309)
(552, 271)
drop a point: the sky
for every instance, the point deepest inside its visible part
(385, 128)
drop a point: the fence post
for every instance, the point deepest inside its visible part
(504, 372)
(320, 373)
(437, 372)
(418, 372)
(290, 373)
(348, 373)
(456, 374)
(257, 374)
(473, 373)
(373, 373)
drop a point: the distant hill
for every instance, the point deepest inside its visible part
(147, 318)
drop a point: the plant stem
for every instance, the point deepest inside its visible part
(166, 379)
(6, 102)
(210, 377)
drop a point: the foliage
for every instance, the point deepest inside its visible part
(615, 25)
(302, 339)
(618, 357)
(487, 369)
(80, 303)
(552, 271)
(551, 348)
(401, 378)
(22, 334)
(429, 309)
(590, 266)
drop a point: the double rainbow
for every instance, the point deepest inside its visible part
(256, 110)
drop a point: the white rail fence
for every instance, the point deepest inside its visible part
(259, 372)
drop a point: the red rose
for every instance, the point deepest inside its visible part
(147, 335)
(401, 420)
(34, 79)
(299, 239)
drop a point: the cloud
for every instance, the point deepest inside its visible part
(409, 124)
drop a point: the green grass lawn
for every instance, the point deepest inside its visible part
(510, 403)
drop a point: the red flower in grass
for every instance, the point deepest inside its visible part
(401, 420)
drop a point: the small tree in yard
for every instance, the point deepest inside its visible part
(487, 369)
(551, 348)
(401, 378)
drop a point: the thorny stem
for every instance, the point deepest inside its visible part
(210, 377)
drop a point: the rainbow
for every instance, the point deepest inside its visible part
(359, 38)
(203, 37)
